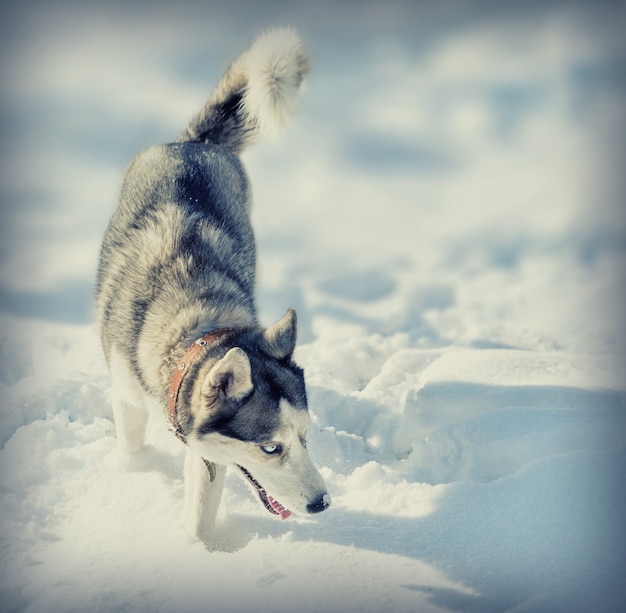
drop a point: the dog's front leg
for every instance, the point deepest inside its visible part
(129, 407)
(203, 491)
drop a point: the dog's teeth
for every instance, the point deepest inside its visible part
(278, 508)
(270, 504)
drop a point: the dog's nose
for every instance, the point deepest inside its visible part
(319, 505)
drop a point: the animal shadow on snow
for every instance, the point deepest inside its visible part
(151, 459)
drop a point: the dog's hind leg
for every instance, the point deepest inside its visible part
(204, 483)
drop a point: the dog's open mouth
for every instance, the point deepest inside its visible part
(273, 506)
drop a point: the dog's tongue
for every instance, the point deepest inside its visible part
(279, 508)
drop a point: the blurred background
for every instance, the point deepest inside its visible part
(436, 138)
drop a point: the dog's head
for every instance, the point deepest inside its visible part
(250, 409)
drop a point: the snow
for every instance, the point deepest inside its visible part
(446, 214)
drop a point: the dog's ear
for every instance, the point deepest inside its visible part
(230, 376)
(279, 340)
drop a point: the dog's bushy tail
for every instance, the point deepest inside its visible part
(257, 95)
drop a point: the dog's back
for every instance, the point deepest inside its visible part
(179, 256)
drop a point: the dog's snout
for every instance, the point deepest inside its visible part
(320, 504)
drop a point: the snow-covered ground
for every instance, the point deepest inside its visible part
(447, 216)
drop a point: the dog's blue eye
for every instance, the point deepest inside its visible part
(271, 449)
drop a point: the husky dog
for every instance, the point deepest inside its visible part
(175, 301)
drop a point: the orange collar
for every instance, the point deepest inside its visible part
(196, 349)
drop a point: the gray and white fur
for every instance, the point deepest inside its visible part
(178, 261)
